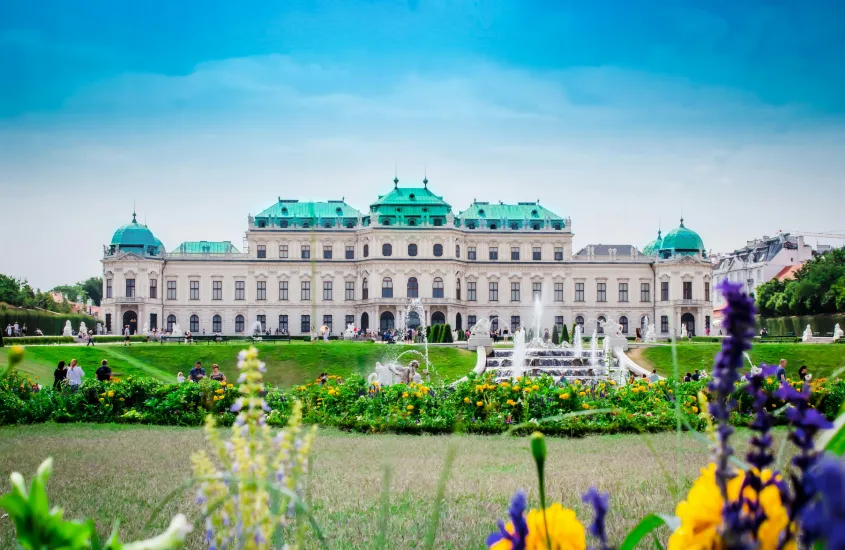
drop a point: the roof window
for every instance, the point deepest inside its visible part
(412, 196)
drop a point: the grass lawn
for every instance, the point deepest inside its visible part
(287, 364)
(122, 472)
(821, 360)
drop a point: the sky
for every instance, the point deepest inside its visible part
(622, 115)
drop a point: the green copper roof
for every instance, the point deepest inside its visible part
(512, 214)
(289, 208)
(410, 196)
(652, 248)
(136, 237)
(206, 247)
(681, 241)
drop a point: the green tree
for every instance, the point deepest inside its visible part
(446, 334)
(93, 288)
(565, 336)
(555, 335)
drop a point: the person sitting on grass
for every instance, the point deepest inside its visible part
(59, 375)
(654, 376)
(74, 375)
(696, 376)
(180, 377)
(688, 377)
(197, 373)
(217, 375)
(104, 372)
(804, 374)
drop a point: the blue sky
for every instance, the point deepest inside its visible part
(621, 115)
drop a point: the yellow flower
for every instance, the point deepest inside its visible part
(410, 407)
(404, 395)
(107, 404)
(585, 406)
(582, 394)
(701, 513)
(479, 403)
(564, 396)
(122, 399)
(101, 400)
(102, 395)
(111, 394)
(527, 390)
(516, 388)
(219, 390)
(565, 531)
(230, 386)
(214, 398)
(535, 387)
(466, 400)
(662, 382)
(695, 409)
(511, 402)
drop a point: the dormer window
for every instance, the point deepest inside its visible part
(339, 211)
(492, 226)
(425, 209)
(514, 226)
(412, 222)
(412, 196)
(284, 211)
(557, 227)
(481, 212)
(470, 225)
(283, 223)
(534, 213)
(262, 223)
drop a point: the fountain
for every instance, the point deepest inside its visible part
(68, 330)
(837, 333)
(349, 333)
(519, 355)
(393, 372)
(808, 334)
(578, 340)
(650, 335)
(594, 346)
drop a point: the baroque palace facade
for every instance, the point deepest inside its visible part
(309, 264)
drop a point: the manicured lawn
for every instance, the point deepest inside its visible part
(122, 472)
(287, 364)
(821, 360)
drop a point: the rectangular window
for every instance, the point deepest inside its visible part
(153, 288)
(283, 323)
(664, 291)
(579, 292)
(108, 288)
(687, 290)
(514, 253)
(240, 290)
(470, 253)
(350, 290)
(216, 290)
(536, 291)
(645, 292)
(195, 290)
(327, 322)
(623, 292)
(262, 320)
(536, 254)
(305, 324)
(365, 290)
(327, 252)
(558, 253)
(494, 322)
(601, 292)
(349, 320)
(153, 321)
(514, 323)
(327, 290)
(494, 292)
(706, 291)
(558, 292)
(283, 290)
(108, 323)
(471, 321)
(350, 252)
(262, 250)
(305, 290)
(494, 252)
(559, 323)
(664, 324)
(471, 291)
(261, 290)
(514, 292)
(306, 252)
(171, 290)
(130, 288)
(283, 251)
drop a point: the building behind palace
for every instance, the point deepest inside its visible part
(307, 264)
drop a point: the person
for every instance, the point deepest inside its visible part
(803, 373)
(126, 335)
(180, 377)
(38, 332)
(23, 330)
(654, 376)
(217, 375)
(104, 372)
(188, 337)
(644, 377)
(546, 335)
(90, 338)
(764, 332)
(780, 373)
(707, 331)
(17, 329)
(688, 377)
(59, 375)
(696, 376)
(74, 375)
(197, 373)
(638, 334)
(9, 330)
(323, 378)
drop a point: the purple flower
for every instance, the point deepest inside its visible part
(237, 405)
(600, 503)
(823, 519)
(516, 512)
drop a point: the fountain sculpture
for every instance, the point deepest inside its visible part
(837, 333)
(808, 334)
(650, 335)
(349, 333)
(68, 330)
(83, 330)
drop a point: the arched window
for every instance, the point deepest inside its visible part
(216, 324)
(457, 251)
(387, 287)
(366, 250)
(457, 289)
(413, 288)
(386, 249)
(437, 288)
(365, 289)
(195, 323)
(386, 321)
(438, 250)
(599, 324)
(412, 249)
(624, 322)
(437, 318)
(239, 323)
(580, 322)
(171, 322)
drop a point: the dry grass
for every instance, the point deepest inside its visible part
(110, 472)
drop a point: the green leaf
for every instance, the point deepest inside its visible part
(833, 440)
(646, 526)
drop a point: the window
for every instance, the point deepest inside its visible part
(239, 323)
(559, 323)
(350, 290)
(601, 292)
(216, 290)
(470, 253)
(580, 322)
(623, 292)
(262, 251)
(240, 290)
(664, 291)
(366, 250)
(457, 289)
(195, 290)
(645, 292)
(283, 323)
(154, 321)
(413, 288)
(494, 322)
(327, 252)
(283, 290)
(305, 290)
(514, 323)
(706, 291)
(130, 288)
(261, 290)
(664, 324)
(494, 292)
(327, 291)
(558, 292)
(306, 252)
(437, 288)
(471, 291)
(283, 251)
(387, 287)
(108, 323)
(412, 249)
(365, 290)
(514, 292)
(471, 321)
(558, 253)
(171, 290)
(687, 290)
(154, 288)
(171, 323)
(624, 322)
(457, 251)
(108, 288)
(536, 291)
(494, 252)
(536, 254)
(350, 252)
(579, 292)
(349, 320)
(194, 324)
(600, 324)
(386, 249)
(438, 250)
(216, 324)
(305, 324)
(327, 322)
(515, 253)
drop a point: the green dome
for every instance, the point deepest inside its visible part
(652, 248)
(136, 237)
(682, 241)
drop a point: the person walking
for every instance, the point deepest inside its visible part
(59, 376)
(780, 374)
(90, 338)
(74, 375)
(104, 372)
(126, 334)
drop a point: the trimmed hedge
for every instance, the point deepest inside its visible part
(51, 324)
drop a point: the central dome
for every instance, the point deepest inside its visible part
(682, 241)
(136, 237)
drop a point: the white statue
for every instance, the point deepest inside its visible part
(808, 334)
(349, 333)
(392, 373)
(146, 329)
(650, 334)
(68, 330)
(481, 328)
(177, 331)
(837, 333)
(83, 330)
(684, 332)
(611, 328)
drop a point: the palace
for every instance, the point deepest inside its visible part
(307, 264)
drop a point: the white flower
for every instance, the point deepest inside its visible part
(173, 538)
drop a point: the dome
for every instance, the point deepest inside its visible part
(652, 248)
(136, 237)
(682, 241)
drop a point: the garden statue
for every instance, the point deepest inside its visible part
(68, 330)
(349, 333)
(650, 335)
(837, 333)
(392, 373)
(83, 330)
(808, 334)
(684, 333)
(177, 330)
(146, 329)
(481, 328)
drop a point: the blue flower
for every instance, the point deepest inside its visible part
(516, 512)
(600, 503)
(823, 519)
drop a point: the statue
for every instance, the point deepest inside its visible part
(650, 335)
(68, 330)
(349, 333)
(481, 328)
(808, 334)
(83, 330)
(405, 374)
(391, 373)
(146, 329)
(837, 333)
(684, 332)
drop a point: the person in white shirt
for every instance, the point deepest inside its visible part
(654, 376)
(180, 378)
(74, 375)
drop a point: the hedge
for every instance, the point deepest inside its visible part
(51, 324)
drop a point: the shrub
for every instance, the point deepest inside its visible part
(446, 334)
(555, 336)
(565, 336)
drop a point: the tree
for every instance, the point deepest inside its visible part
(446, 334)
(572, 338)
(555, 335)
(816, 288)
(93, 288)
(565, 336)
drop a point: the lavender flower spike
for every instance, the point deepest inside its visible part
(516, 512)
(600, 503)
